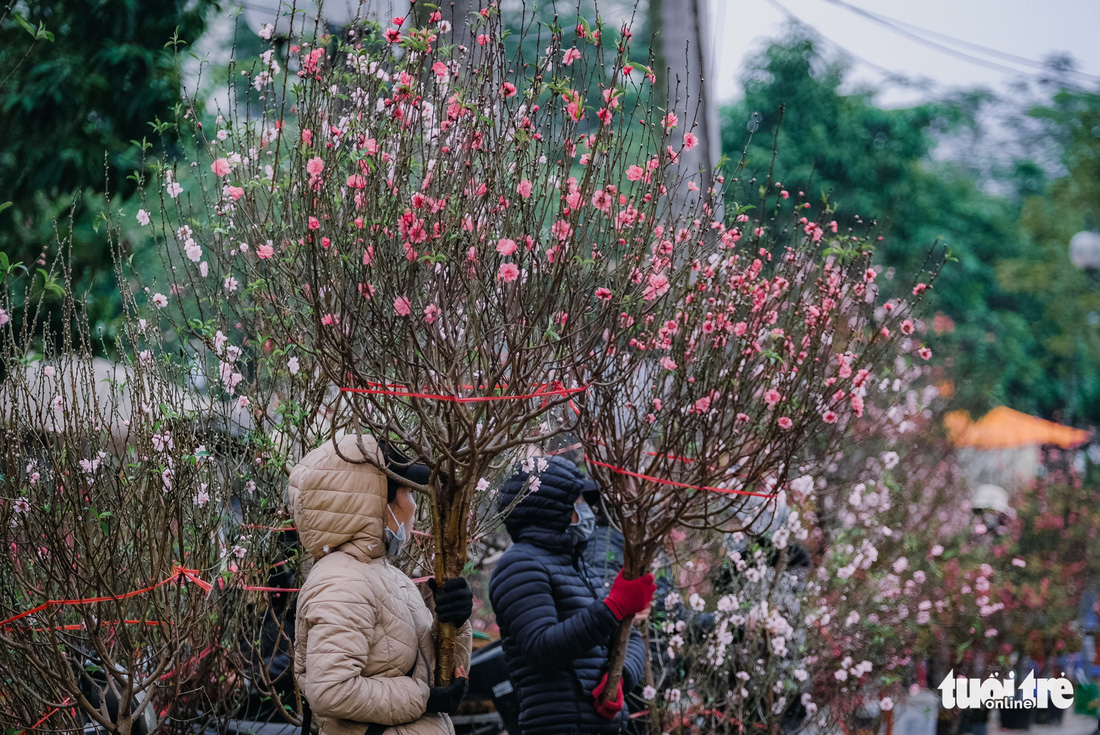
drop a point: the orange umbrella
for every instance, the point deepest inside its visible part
(1004, 428)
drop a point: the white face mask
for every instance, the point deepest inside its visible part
(585, 526)
(395, 541)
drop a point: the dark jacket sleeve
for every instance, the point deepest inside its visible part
(634, 665)
(524, 605)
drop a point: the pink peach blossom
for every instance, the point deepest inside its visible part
(562, 229)
(508, 272)
(656, 287)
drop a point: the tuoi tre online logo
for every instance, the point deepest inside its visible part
(991, 693)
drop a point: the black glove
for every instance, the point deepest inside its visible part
(453, 601)
(445, 700)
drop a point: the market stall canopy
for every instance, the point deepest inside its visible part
(1004, 428)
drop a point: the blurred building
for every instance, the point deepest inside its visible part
(1004, 447)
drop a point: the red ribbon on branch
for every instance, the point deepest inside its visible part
(660, 481)
(650, 478)
(177, 572)
(392, 390)
(46, 716)
(192, 575)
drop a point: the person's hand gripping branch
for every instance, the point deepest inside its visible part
(627, 598)
(446, 699)
(454, 603)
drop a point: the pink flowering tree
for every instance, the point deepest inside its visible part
(1014, 584)
(819, 611)
(440, 231)
(734, 375)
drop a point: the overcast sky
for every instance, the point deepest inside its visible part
(1025, 28)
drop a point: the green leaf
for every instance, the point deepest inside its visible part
(26, 26)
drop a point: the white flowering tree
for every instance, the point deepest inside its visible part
(819, 614)
(110, 602)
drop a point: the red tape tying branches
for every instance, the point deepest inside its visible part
(402, 392)
(47, 716)
(650, 478)
(178, 571)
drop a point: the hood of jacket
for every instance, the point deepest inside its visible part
(541, 516)
(338, 498)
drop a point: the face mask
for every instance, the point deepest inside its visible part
(394, 540)
(585, 526)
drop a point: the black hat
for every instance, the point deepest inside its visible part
(398, 463)
(591, 492)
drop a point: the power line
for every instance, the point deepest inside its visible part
(914, 32)
(976, 46)
(890, 74)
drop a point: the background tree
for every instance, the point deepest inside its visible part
(999, 334)
(70, 105)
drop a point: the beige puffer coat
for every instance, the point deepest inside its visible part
(362, 624)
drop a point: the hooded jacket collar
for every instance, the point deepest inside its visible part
(542, 515)
(338, 498)
(552, 541)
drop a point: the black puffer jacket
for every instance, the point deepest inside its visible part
(554, 628)
(604, 556)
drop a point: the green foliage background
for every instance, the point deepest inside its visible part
(73, 97)
(1017, 324)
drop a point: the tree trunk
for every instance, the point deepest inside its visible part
(682, 48)
(617, 654)
(450, 560)
(617, 658)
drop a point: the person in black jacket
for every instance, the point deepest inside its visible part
(604, 551)
(555, 629)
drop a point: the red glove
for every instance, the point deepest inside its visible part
(628, 597)
(611, 708)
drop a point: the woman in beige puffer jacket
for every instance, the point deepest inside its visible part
(364, 651)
